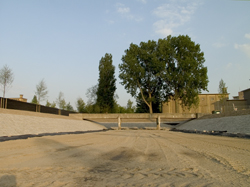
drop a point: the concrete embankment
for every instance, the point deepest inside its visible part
(24, 123)
(227, 125)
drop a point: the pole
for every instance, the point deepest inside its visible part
(158, 123)
(119, 123)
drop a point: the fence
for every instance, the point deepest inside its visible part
(19, 105)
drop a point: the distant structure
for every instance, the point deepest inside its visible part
(244, 95)
(20, 98)
(242, 101)
(207, 104)
(212, 102)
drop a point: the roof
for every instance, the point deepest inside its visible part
(213, 94)
(245, 90)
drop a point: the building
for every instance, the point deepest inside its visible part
(242, 101)
(245, 95)
(20, 98)
(207, 104)
(212, 102)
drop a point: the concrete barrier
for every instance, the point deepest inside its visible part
(136, 116)
(156, 117)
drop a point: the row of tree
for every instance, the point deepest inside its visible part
(152, 72)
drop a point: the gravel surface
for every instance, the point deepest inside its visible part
(237, 122)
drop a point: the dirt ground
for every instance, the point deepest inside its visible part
(126, 158)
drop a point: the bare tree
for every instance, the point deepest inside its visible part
(41, 91)
(91, 94)
(6, 78)
(61, 101)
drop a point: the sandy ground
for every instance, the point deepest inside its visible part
(126, 158)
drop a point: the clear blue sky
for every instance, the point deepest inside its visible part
(62, 41)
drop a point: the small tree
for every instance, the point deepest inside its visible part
(223, 93)
(92, 94)
(6, 78)
(41, 91)
(80, 105)
(52, 105)
(61, 101)
(48, 104)
(34, 100)
(130, 108)
(69, 107)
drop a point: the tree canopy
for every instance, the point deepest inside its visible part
(106, 84)
(172, 68)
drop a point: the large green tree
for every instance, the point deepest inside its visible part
(140, 71)
(106, 84)
(170, 68)
(184, 75)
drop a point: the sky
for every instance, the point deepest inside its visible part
(62, 41)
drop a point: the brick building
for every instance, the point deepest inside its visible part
(207, 104)
(211, 102)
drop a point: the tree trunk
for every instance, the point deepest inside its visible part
(176, 101)
(148, 104)
(176, 106)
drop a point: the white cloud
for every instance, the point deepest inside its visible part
(244, 47)
(229, 65)
(122, 9)
(173, 15)
(219, 45)
(125, 12)
(162, 29)
(247, 36)
(143, 1)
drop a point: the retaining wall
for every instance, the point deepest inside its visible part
(137, 116)
(19, 105)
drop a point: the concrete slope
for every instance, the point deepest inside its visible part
(11, 125)
(231, 124)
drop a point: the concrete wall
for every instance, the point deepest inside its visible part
(247, 96)
(207, 104)
(18, 105)
(232, 104)
(135, 116)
